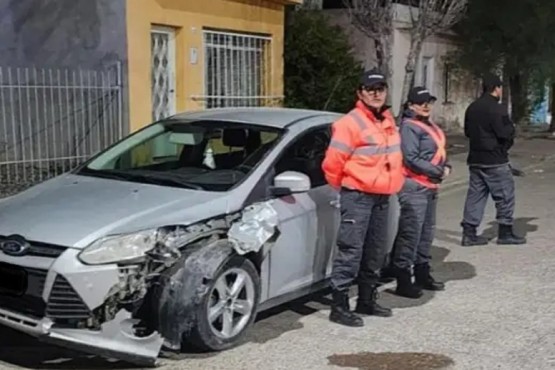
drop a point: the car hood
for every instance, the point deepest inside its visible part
(74, 211)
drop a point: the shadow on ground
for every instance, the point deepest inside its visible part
(24, 351)
(522, 226)
(453, 270)
(441, 270)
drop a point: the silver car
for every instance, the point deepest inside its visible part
(179, 233)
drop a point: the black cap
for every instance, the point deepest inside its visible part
(372, 78)
(490, 81)
(420, 95)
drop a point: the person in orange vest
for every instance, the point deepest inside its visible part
(425, 163)
(364, 162)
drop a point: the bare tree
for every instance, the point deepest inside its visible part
(428, 17)
(374, 18)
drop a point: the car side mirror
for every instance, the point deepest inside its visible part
(290, 182)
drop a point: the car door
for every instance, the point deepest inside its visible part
(308, 221)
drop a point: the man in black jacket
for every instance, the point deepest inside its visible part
(491, 134)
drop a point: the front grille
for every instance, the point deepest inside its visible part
(64, 303)
(39, 249)
(31, 302)
(45, 250)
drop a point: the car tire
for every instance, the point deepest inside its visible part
(218, 326)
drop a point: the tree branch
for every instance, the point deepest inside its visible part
(374, 18)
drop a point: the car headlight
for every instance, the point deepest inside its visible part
(119, 248)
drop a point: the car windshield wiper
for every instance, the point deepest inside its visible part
(105, 174)
(159, 178)
(148, 177)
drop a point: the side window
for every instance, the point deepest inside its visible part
(306, 155)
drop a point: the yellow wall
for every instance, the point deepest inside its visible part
(189, 17)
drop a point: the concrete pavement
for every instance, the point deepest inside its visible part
(498, 310)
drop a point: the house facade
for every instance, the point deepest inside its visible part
(76, 75)
(454, 90)
(175, 55)
(203, 54)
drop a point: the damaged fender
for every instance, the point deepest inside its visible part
(257, 225)
(183, 286)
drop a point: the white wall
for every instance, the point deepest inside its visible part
(451, 104)
(448, 111)
(363, 48)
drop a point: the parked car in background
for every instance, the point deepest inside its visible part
(181, 231)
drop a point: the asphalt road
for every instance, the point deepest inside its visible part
(498, 312)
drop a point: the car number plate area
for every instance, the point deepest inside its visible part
(13, 280)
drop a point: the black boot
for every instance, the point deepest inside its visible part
(405, 287)
(367, 302)
(340, 311)
(507, 237)
(387, 274)
(423, 278)
(470, 237)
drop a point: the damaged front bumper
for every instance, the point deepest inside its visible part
(128, 311)
(115, 339)
(75, 312)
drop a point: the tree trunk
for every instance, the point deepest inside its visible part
(414, 52)
(383, 58)
(552, 105)
(519, 99)
(506, 98)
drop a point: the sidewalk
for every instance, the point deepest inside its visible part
(526, 154)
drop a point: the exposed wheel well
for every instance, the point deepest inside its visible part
(256, 258)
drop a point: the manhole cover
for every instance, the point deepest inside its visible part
(392, 361)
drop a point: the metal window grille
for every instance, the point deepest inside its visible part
(51, 120)
(238, 70)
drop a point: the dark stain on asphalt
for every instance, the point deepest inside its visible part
(392, 361)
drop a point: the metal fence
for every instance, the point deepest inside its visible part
(51, 120)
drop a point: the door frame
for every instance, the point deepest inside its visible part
(172, 64)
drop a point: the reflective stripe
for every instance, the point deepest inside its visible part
(340, 146)
(370, 140)
(376, 150)
(358, 119)
(437, 135)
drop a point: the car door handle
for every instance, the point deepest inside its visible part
(335, 203)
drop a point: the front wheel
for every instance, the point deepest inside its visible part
(229, 308)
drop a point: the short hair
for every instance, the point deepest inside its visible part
(490, 82)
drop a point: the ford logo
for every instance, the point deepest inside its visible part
(14, 245)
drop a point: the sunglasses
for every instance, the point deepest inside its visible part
(374, 89)
(426, 104)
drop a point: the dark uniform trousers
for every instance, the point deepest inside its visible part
(361, 240)
(497, 181)
(416, 225)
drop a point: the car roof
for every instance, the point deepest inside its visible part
(274, 117)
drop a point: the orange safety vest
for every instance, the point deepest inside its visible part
(437, 135)
(365, 154)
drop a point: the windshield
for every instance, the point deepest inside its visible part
(203, 155)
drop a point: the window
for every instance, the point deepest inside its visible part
(446, 82)
(306, 155)
(333, 4)
(202, 155)
(427, 72)
(237, 69)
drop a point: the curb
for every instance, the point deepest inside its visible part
(458, 184)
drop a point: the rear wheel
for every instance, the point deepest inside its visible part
(229, 308)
